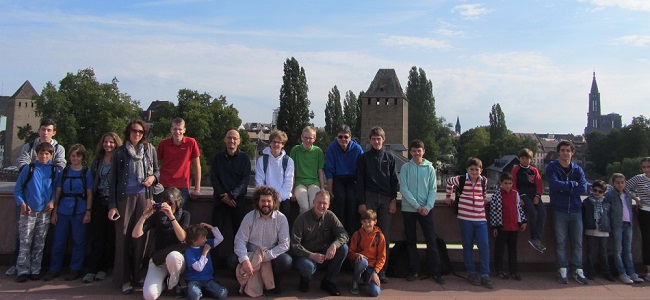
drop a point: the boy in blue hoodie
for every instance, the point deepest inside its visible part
(341, 174)
(566, 182)
(200, 273)
(418, 187)
(34, 195)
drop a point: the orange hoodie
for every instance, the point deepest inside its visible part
(374, 251)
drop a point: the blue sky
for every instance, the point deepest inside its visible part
(535, 58)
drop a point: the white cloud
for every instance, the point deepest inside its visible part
(634, 40)
(634, 5)
(517, 61)
(471, 11)
(418, 42)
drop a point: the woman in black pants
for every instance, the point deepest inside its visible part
(102, 230)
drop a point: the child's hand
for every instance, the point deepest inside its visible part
(53, 218)
(359, 257)
(49, 206)
(375, 278)
(536, 200)
(87, 217)
(495, 232)
(449, 201)
(523, 227)
(207, 226)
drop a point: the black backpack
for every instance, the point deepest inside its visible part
(398, 261)
(461, 186)
(76, 196)
(265, 161)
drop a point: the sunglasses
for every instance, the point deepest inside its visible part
(597, 191)
(344, 137)
(137, 131)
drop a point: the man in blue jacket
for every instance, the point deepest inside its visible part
(341, 174)
(566, 182)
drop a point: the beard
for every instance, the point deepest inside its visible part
(265, 210)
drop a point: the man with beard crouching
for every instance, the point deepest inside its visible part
(263, 229)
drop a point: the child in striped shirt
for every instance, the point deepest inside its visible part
(471, 219)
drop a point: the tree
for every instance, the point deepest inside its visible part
(422, 115)
(352, 112)
(628, 167)
(26, 134)
(294, 112)
(498, 128)
(471, 143)
(333, 112)
(85, 109)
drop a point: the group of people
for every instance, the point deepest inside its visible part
(124, 194)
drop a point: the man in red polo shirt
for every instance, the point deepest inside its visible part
(176, 153)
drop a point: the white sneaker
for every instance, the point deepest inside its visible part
(634, 277)
(625, 279)
(562, 276)
(12, 271)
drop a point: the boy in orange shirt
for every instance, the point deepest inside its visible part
(368, 253)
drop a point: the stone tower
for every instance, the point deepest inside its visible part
(384, 104)
(20, 110)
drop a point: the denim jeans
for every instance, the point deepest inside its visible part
(597, 252)
(471, 231)
(211, 288)
(426, 223)
(536, 215)
(568, 226)
(307, 267)
(622, 237)
(363, 272)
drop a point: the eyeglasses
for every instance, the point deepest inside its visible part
(137, 131)
(277, 143)
(344, 137)
(597, 191)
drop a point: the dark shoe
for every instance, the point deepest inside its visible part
(473, 279)
(382, 277)
(51, 275)
(127, 288)
(277, 290)
(609, 277)
(486, 282)
(503, 275)
(412, 277)
(515, 276)
(89, 277)
(354, 290)
(35, 276)
(330, 287)
(73, 275)
(22, 278)
(579, 277)
(439, 279)
(303, 286)
(178, 292)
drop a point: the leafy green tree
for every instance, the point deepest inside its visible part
(162, 120)
(85, 109)
(498, 128)
(294, 113)
(26, 134)
(423, 123)
(352, 113)
(333, 112)
(471, 143)
(629, 167)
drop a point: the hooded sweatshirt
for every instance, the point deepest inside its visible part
(371, 245)
(275, 176)
(40, 188)
(342, 163)
(417, 185)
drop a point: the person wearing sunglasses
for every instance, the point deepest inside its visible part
(596, 221)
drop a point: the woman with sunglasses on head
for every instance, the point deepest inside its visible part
(134, 172)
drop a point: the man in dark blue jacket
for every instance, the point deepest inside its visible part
(566, 182)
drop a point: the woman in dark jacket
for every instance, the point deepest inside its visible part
(134, 173)
(170, 222)
(102, 230)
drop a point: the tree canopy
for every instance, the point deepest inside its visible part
(294, 113)
(352, 113)
(84, 109)
(333, 112)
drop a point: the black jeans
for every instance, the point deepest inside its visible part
(102, 238)
(344, 205)
(504, 238)
(597, 250)
(426, 224)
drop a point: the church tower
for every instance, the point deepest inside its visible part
(457, 126)
(593, 115)
(384, 104)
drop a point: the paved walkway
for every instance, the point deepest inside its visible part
(535, 285)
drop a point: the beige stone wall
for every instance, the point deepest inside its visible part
(391, 114)
(19, 112)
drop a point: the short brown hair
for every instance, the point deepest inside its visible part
(416, 144)
(369, 214)
(377, 131)
(278, 134)
(194, 232)
(564, 143)
(44, 146)
(525, 152)
(79, 149)
(505, 176)
(474, 161)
